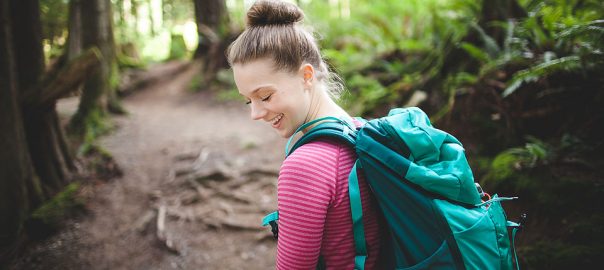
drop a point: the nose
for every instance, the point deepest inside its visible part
(258, 111)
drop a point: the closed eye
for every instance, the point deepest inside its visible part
(267, 98)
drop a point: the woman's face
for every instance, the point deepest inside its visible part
(280, 98)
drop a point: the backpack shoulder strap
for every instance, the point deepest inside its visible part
(356, 209)
(327, 127)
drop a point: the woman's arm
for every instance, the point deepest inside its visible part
(305, 191)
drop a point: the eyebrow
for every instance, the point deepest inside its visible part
(257, 89)
(260, 88)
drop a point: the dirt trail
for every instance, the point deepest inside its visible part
(201, 162)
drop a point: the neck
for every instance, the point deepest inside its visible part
(322, 105)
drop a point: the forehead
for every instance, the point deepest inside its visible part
(256, 66)
(258, 73)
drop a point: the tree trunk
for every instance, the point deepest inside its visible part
(43, 134)
(27, 35)
(98, 95)
(114, 105)
(35, 156)
(212, 22)
(74, 40)
(17, 177)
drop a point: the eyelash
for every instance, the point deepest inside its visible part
(267, 98)
(263, 99)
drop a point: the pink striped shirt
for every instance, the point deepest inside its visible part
(314, 209)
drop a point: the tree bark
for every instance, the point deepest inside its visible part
(212, 22)
(211, 17)
(42, 132)
(99, 95)
(74, 40)
(64, 81)
(35, 157)
(27, 36)
(16, 172)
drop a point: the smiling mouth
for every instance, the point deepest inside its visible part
(275, 121)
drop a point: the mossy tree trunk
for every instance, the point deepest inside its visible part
(99, 94)
(44, 136)
(35, 158)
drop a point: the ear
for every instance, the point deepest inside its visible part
(308, 74)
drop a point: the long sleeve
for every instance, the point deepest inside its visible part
(314, 209)
(306, 188)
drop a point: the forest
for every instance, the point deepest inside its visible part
(125, 143)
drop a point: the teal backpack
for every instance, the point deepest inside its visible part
(426, 192)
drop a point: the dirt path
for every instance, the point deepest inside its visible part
(201, 162)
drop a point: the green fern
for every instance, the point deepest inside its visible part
(475, 52)
(532, 74)
(590, 29)
(490, 45)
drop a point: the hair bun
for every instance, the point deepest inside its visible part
(272, 12)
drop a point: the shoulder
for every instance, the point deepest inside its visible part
(310, 172)
(321, 153)
(316, 160)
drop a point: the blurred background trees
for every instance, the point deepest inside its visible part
(36, 160)
(520, 82)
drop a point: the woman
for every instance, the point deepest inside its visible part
(279, 70)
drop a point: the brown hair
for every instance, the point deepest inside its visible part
(274, 31)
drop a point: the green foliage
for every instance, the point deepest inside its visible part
(53, 17)
(503, 167)
(384, 50)
(559, 190)
(371, 92)
(125, 62)
(86, 131)
(509, 162)
(178, 49)
(128, 56)
(534, 73)
(581, 44)
(178, 11)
